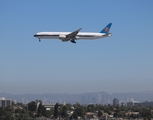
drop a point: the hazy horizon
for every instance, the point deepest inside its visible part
(79, 93)
(120, 63)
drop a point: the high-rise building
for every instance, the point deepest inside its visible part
(99, 99)
(4, 103)
(115, 102)
(131, 99)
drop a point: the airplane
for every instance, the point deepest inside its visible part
(76, 35)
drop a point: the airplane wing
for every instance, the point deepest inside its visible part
(72, 35)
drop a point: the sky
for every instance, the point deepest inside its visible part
(120, 63)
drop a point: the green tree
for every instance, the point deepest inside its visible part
(32, 106)
(74, 115)
(145, 113)
(80, 111)
(90, 108)
(1, 111)
(64, 112)
(41, 110)
(56, 110)
(48, 113)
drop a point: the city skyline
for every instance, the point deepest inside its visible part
(86, 98)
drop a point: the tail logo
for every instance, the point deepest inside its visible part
(106, 29)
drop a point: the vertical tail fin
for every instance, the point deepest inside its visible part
(106, 29)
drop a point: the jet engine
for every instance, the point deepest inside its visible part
(62, 37)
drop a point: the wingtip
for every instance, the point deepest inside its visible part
(79, 29)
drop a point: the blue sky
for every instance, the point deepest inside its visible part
(121, 63)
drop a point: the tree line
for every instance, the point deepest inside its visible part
(35, 109)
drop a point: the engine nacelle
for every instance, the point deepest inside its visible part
(62, 37)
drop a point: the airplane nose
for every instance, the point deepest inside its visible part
(35, 35)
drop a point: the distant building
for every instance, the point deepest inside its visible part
(146, 103)
(99, 99)
(115, 102)
(127, 100)
(49, 106)
(143, 104)
(131, 99)
(4, 103)
(130, 104)
(133, 103)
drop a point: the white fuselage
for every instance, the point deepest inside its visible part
(80, 35)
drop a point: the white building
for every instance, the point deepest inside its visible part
(49, 106)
